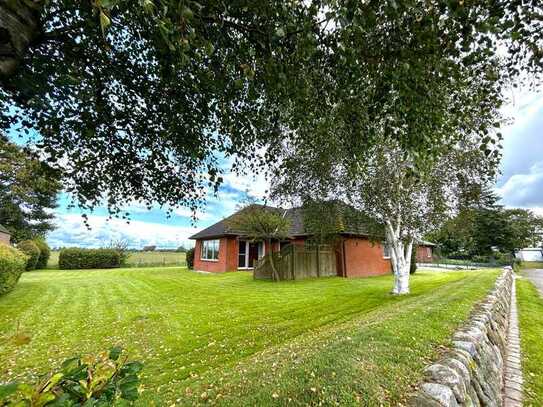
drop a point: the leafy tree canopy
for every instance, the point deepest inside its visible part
(142, 100)
(28, 192)
(485, 226)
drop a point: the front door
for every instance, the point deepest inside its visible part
(253, 253)
(248, 253)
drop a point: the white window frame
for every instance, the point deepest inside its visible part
(261, 253)
(205, 249)
(386, 248)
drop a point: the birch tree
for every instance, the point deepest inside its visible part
(405, 198)
(410, 203)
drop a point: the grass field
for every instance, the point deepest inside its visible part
(235, 341)
(139, 259)
(530, 306)
(532, 265)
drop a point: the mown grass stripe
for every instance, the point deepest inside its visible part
(186, 326)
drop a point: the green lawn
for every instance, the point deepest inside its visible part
(139, 259)
(532, 265)
(530, 306)
(238, 341)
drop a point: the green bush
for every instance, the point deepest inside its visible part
(106, 379)
(190, 258)
(76, 258)
(12, 265)
(45, 253)
(30, 248)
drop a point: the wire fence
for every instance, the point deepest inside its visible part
(457, 264)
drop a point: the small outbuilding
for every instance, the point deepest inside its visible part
(5, 236)
(530, 254)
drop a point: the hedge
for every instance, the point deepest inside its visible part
(76, 258)
(12, 265)
(190, 258)
(30, 248)
(45, 253)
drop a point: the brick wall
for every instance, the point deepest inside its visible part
(364, 258)
(228, 256)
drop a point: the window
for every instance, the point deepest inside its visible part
(242, 254)
(386, 250)
(210, 250)
(428, 252)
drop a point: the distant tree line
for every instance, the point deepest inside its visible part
(486, 228)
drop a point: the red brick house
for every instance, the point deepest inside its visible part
(220, 249)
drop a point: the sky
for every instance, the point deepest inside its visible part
(520, 185)
(152, 227)
(521, 182)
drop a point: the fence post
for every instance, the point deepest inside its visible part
(292, 261)
(318, 261)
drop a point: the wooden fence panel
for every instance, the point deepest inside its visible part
(298, 262)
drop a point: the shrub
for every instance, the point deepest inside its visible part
(121, 246)
(76, 258)
(504, 259)
(12, 265)
(481, 259)
(190, 258)
(45, 253)
(30, 248)
(106, 379)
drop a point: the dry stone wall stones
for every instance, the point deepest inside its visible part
(471, 374)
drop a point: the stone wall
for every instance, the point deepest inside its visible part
(471, 373)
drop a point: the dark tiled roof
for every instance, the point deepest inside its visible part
(221, 228)
(297, 225)
(4, 230)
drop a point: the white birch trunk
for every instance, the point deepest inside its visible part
(400, 257)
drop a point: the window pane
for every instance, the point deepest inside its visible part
(210, 249)
(386, 250)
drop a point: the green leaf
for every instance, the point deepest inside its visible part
(105, 21)
(129, 388)
(53, 381)
(187, 13)
(8, 389)
(148, 6)
(115, 352)
(132, 368)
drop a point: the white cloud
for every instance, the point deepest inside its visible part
(255, 185)
(187, 213)
(524, 189)
(71, 231)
